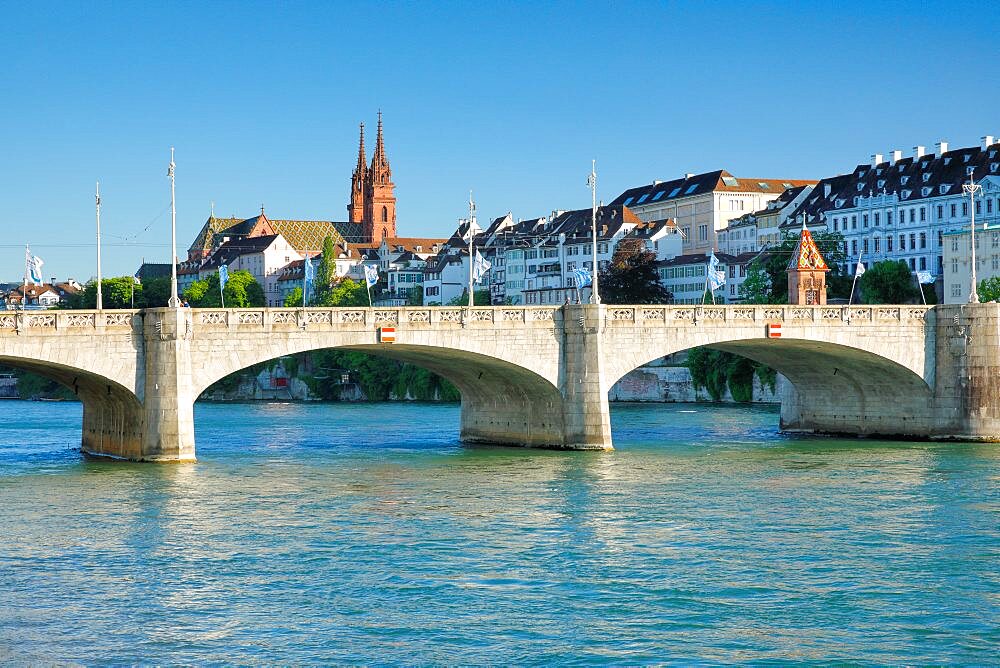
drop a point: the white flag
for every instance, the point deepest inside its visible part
(716, 276)
(925, 277)
(371, 275)
(480, 267)
(33, 264)
(859, 270)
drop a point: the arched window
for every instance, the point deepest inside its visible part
(385, 214)
(385, 233)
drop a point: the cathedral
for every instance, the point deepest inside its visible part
(373, 203)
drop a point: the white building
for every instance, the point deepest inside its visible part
(264, 257)
(703, 204)
(957, 273)
(685, 276)
(902, 208)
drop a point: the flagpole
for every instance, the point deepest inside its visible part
(850, 298)
(369, 289)
(920, 287)
(24, 295)
(305, 272)
(592, 182)
(472, 209)
(222, 295)
(100, 299)
(174, 301)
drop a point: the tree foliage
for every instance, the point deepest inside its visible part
(989, 290)
(416, 296)
(242, 291)
(117, 292)
(326, 273)
(888, 282)
(716, 370)
(767, 280)
(631, 276)
(343, 292)
(479, 298)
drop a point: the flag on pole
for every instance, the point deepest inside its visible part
(310, 271)
(925, 277)
(581, 277)
(135, 279)
(33, 264)
(716, 276)
(371, 275)
(859, 270)
(480, 267)
(223, 276)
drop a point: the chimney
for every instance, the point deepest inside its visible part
(826, 189)
(876, 159)
(895, 156)
(688, 175)
(940, 148)
(918, 152)
(987, 141)
(657, 182)
(52, 281)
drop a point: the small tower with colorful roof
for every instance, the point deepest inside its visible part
(806, 272)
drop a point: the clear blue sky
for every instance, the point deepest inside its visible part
(262, 102)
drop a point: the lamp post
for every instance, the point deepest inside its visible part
(972, 188)
(472, 213)
(592, 183)
(174, 301)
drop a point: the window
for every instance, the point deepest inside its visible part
(385, 217)
(940, 238)
(864, 220)
(923, 214)
(673, 193)
(913, 241)
(864, 246)
(954, 245)
(913, 264)
(956, 290)
(979, 207)
(703, 233)
(854, 246)
(913, 216)
(658, 195)
(835, 221)
(954, 265)
(940, 211)
(923, 240)
(902, 242)
(989, 206)
(876, 218)
(643, 199)
(691, 189)
(953, 214)
(854, 222)
(877, 240)
(627, 201)
(965, 208)
(732, 289)
(923, 263)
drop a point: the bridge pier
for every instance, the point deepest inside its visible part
(168, 392)
(586, 414)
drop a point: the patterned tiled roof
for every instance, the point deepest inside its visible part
(303, 235)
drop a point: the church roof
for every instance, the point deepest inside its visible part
(303, 235)
(806, 255)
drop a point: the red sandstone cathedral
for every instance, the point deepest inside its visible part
(373, 203)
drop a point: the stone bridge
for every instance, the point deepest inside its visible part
(531, 376)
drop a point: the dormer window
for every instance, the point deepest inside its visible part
(904, 179)
(881, 183)
(944, 189)
(966, 157)
(839, 203)
(927, 177)
(643, 199)
(925, 191)
(856, 198)
(906, 194)
(879, 171)
(994, 166)
(947, 161)
(860, 186)
(899, 166)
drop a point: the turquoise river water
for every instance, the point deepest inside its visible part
(368, 534)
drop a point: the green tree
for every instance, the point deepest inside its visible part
(345, 292)
(767, 278)
(888, 282)
(242, 291)
(115, 293)
(326, 273)
(716, 370)
(155, 292)
(416, 296)
(989, 290)
(631, 276)
(479, 298)
(294, 298)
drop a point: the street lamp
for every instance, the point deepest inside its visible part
(592, 182)
(972, 188)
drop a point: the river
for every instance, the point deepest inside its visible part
(312, 533)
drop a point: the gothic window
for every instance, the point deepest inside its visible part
(385, 232)
(385, 214)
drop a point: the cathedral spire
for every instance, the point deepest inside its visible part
(381, 173)
(362, 160)
(356, 207)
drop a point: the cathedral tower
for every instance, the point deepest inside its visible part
(379, 219)
(356, 209)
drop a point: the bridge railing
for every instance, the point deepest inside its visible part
(376, 317)
(746, 313)
(13, 322)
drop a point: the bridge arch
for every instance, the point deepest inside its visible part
(843, 378)
(502, 401)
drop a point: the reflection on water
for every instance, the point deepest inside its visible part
(368, 534)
